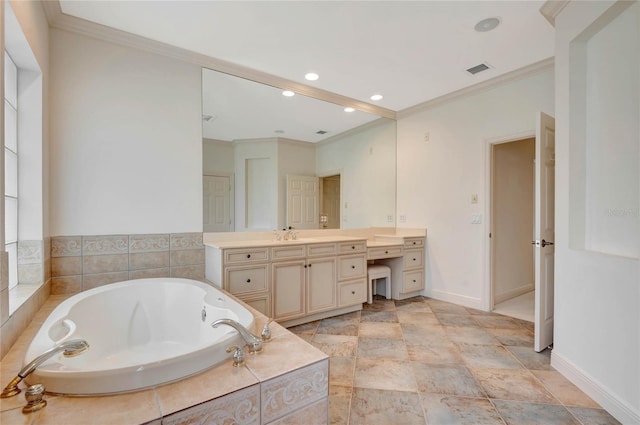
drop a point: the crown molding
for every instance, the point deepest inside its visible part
(58, 19)
(359, 129)
(551, 8)
(500, 79)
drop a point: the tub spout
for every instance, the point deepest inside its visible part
(254, 343)
(70, 348)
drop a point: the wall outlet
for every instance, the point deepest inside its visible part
(426, 136)
(403, 218)
(476, 218)
(389, 218)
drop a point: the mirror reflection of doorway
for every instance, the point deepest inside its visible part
(330, 202)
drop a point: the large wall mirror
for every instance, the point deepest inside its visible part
(272, 161)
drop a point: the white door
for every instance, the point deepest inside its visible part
(302, 202)
(217, 203)
(544, 231)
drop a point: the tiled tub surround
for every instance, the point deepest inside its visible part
(79, 263)
(286, 384)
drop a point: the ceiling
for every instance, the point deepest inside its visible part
(410, 52)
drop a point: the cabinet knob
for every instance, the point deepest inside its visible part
(248, 280)
(386, 252)
(353, 292)
(310, 265)
(414, 281)
(414, 242)
(305, 266)
(353, 267)
(353, 247)
(414, 259)
(248, 255)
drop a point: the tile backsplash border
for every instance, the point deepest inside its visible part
(84, 262)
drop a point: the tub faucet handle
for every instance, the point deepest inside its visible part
(238, 355)
(266, 332)
(35, 402)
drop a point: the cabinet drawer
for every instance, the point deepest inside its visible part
(318, 249)
(413, 258)
(242, 280)
(384, 252)
(261, 302)
(414, 242)
(352, 247)
(288, 252)
(244, 255)
(352, 266)
(354, 292)
(412, 281)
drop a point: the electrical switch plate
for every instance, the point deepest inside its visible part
(474, 198)
(389, 218)
(403, 218)
(476, 218)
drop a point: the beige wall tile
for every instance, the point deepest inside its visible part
(149, 243)
(66, 246)
(66, 285)
(316, 414)
(295, 390)
(4, 305)
(4, 270)
(186, 241)
(66, 266)
(148, 260)
(148, 273)
(47, 248)
(7, 337)
(105, 263)
(47, 269)
(105, 245)
(188, 272)
(90, 281)
(31, 273)
(187, 257)
(241, 407)
(30, 252)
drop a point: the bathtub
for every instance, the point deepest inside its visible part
(141, 333)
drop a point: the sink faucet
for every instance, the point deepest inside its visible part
(70, 348)
(290, 234)
(254, 343)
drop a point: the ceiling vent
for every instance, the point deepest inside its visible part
(478, 68)
(321, 132)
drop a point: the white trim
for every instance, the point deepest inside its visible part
(516, 292)
(534, 68)
(619, 409)
(551, 8)
(486, 299)
(366, 126)
(57, 19)
(463, 300)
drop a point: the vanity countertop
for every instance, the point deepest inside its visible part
(269, 243)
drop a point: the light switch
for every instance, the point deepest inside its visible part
(476, 218)
(474, 198)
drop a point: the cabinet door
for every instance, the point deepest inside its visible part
(288, 290)
(321, 285)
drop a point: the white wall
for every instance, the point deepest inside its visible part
(597, 296)
(126, 140)
(217, 156)
(437, 178)
(366, 161)
(512, 216)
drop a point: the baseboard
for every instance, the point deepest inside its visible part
(617, 408)
(512, 293)
(455, 298)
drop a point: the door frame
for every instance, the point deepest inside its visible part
(329, 174)
(487, 301)
(232, 196)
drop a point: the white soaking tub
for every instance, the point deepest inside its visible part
(141, 333)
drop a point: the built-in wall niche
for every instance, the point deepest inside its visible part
(254, 137)
(604, 134)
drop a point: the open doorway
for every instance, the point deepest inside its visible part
(512, 228)
(330, 202)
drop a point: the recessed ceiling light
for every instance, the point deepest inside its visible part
(349, 109)
(312, 76)
(487, 24)
(288, 93)
(376, 97)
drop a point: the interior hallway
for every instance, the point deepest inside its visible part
(423, 361)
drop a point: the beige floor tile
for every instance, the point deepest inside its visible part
(384, 375)
(563, 389)
(341, 371)
(379, 407)
(511, 384)
(380, 330)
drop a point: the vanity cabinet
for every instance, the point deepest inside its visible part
(412, 266)
(405, 257)
(293, 282)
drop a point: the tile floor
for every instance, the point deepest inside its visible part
(423, 361)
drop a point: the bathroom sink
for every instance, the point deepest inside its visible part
(295, 241)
